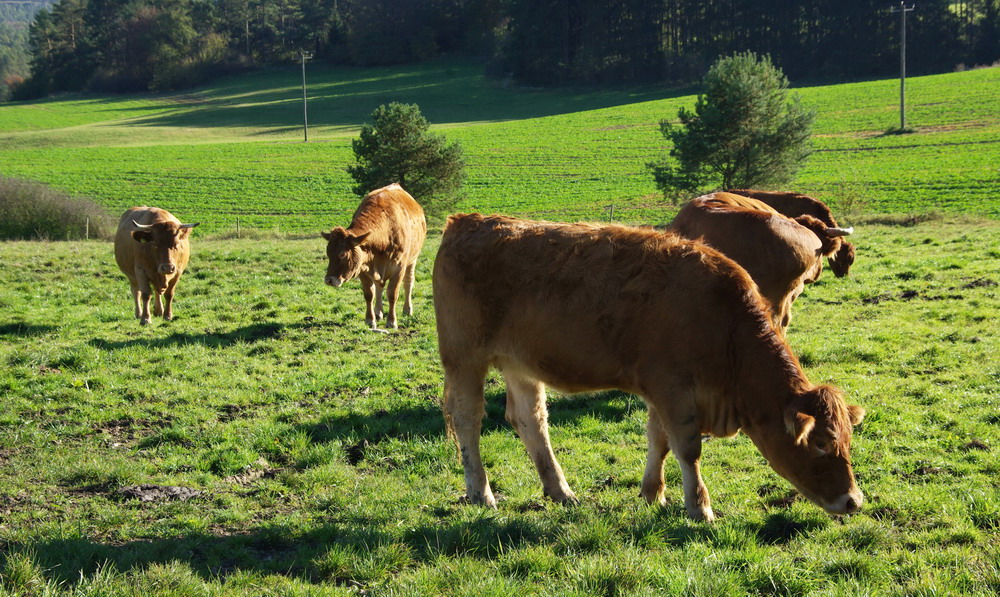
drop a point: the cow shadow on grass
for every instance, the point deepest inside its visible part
(359, 430)
(246, 334)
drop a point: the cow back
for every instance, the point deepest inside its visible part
(394, 222)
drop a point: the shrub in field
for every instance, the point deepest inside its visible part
(30, 211)
(398, 148)
(743, 133)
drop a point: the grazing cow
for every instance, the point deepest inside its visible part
(380, 246)
(794, 205)
(152, 248)
(781, 254)
(584, 307)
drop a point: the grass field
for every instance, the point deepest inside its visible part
(234, 149)
(319, 450)
(314, 450)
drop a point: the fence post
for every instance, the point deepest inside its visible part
(86, 230)
(237, 226)
(611, 215)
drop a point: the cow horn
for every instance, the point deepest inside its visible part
(142, 226)
(189, 225)
(840, 231)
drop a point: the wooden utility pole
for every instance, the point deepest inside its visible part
(902, 10)
(305, 111)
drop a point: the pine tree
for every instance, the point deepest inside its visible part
(744, 131)
(398, 148)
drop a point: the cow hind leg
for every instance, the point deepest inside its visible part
(393, 295)
(408, 277)
(464, 407)
(527, 413)
(157, 303)
(658, 448)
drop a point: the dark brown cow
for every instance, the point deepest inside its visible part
(794, 205)
(152, 248)
(380, 248)
(779, 253)
(584, 307)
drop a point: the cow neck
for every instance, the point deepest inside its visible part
(769, 377)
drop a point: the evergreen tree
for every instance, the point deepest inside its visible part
(398, 148)
(744, 132)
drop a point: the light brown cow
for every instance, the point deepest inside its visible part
(781, 254)
(380, 248)
(152, 249)
(584, 307)
(794, 205)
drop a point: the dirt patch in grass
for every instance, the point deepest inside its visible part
(157, 493)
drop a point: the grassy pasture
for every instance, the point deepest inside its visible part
(318, 447)
(234, 149)
(320, 453)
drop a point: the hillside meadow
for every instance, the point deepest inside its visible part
(311, 452)
(234, 149)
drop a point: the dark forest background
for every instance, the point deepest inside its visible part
(130, 45)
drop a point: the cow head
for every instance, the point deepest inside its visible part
(343, 249)
(166, 238)
(842, 260)
(812, 450)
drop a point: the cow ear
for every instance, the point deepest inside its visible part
(799, 425)
(354, 241)
(143, 236)
(856, 413)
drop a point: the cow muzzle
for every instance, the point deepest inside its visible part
(166, 268)
(334, 281)
(849, 503)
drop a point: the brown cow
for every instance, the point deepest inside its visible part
(794, 205)
(381, 246)
(779, 253)
(584, 307)
(152, 248)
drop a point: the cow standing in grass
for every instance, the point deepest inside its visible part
(584, 307)
(781, 254)
(794, 205)
(152, 249)
(380, 248)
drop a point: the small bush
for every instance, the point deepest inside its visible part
(34, 211)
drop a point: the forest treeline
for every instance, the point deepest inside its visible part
(128, 45)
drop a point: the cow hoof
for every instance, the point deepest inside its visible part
(144, 321)
(168, 317)
(479, 500)
(706, 515)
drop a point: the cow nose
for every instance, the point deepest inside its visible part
(333, 281)
(851, 506)
(167, 268)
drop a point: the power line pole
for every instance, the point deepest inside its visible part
(305, 111)
(902, 10)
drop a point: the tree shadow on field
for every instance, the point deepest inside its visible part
(246, 334)
(19, 329)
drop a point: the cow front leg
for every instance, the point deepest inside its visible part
(658, 447)
(136, 302)
(527, 413)
(393, 295)
(464, 407)
(408, 277)
(368, 288)
(168, 300)
(144, 295)
(686, 444)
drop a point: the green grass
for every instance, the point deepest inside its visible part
(233, 149)
(319, 447)
(321, 454)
